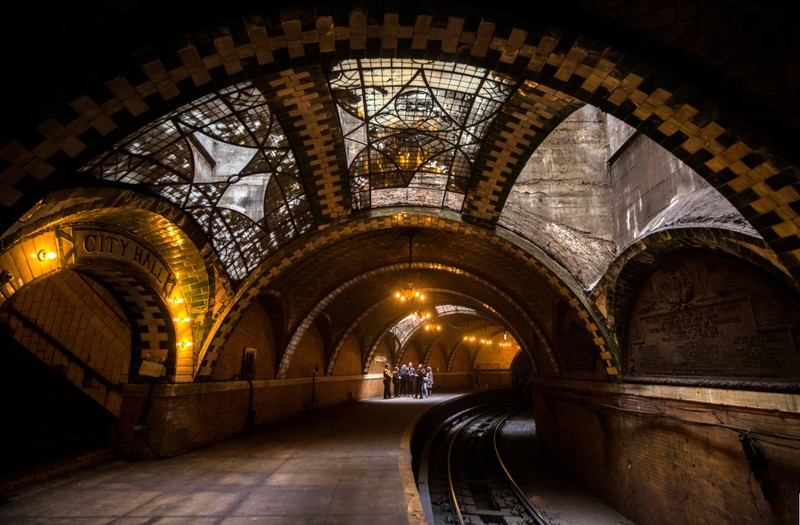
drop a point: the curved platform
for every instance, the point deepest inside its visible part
(348, 464)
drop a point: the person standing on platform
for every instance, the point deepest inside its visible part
(387, 382)
(429, 382)
(396, 381)
(403, 380)
(412, 380)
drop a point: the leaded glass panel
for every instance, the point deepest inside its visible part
(412, 128)
(225, 161)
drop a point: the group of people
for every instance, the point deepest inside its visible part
(407, 381)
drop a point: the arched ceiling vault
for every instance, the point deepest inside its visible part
(161, 226)
(386, 313)
(369, 244)
(557, 60)
(365, 289)
(170, 106)
(406, 325)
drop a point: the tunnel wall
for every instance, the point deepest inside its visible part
(664, 455)
(163, 420)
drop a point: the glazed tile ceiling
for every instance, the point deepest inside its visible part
(411, 128)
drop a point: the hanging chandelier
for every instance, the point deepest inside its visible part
(430, 318)
(409, 293)
(433, 327)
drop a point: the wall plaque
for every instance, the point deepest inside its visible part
(713, 317)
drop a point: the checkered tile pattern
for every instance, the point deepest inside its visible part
(741, 164)
(262, 282)
(303, 104)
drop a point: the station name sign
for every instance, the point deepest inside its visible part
(112, 245)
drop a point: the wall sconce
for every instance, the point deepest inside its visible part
(44, 256)
(176, 300)
(185, 344)
(181, 319)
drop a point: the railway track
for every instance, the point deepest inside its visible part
(463, 479)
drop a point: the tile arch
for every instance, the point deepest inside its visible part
(130, 231)
(533, 258)
(346, 333)
(141, 215)
(308, 320)
(153, 332)
(467, 298)
(741, 164)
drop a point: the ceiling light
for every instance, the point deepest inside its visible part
(409, 293)
(43, 255)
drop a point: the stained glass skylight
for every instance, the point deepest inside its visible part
(413, 128)
(225, 161)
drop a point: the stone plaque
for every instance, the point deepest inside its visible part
(713, 317)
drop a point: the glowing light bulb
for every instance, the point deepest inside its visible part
(43, 255)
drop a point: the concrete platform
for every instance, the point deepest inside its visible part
(348, 464)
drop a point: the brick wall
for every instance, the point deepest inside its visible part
(253, 331)
(308, 355)
(664, 455)
(437, 360)
(71, 323)
(451, 380)
(181, 418)
(348, 361)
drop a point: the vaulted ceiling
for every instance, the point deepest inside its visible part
(316, 139)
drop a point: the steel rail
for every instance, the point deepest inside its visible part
(462, 425)
(521, 496)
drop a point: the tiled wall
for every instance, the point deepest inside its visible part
(73, 316)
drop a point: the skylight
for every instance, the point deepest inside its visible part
(225, 161)
(413, 128)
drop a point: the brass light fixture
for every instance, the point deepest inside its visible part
(433, 327)
(431, 318)
(44, 255)
(409, 293)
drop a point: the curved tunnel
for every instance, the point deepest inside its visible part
(203, 218)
